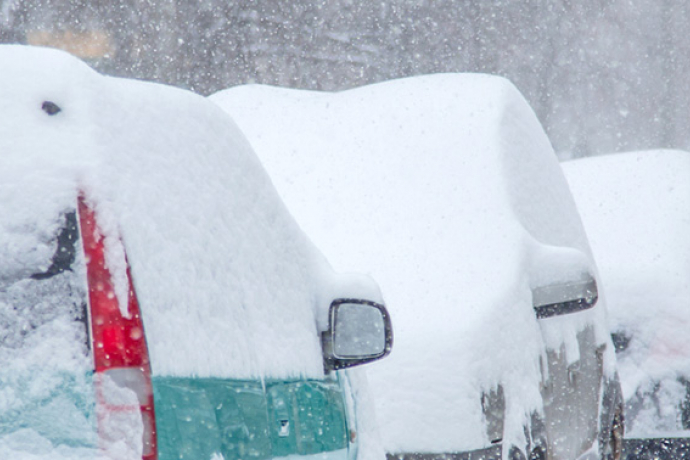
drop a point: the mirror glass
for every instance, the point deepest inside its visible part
(359, 331)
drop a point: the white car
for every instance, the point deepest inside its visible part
(636, 209)
(157, 301)
(446, 189)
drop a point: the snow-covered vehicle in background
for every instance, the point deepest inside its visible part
(636, 209)
(447, 190)
(157, 300)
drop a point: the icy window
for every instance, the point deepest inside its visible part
(45, 365)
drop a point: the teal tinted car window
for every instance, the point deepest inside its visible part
(242, 420)
(282, 418)
(197, 418)
(322, 425)
(64, 415)
(307, 417)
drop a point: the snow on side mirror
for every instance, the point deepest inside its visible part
(565, 298)
(359, 331)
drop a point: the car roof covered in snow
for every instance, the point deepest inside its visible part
(636, 209)
(228, 283)
(446, 189)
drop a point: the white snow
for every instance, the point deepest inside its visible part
(446, 190)
(228, 284)
(636, 208)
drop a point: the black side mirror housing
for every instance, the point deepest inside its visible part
(359, 332)
(566, 298)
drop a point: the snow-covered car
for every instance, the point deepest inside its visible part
(636, 209)
(157, 300)
(447, 190)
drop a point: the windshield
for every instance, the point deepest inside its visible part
(46, 390)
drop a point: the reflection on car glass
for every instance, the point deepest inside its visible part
(66, 248)
(28, 304)
(55, 296)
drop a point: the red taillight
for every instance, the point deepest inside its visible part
(119, 346)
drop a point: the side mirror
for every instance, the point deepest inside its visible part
(359, 331)
(565, 298)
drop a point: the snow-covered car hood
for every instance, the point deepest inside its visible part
(636, 209)
(446, 189)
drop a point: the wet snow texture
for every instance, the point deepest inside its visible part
(229, 285)
(636, 209)
(447, 191)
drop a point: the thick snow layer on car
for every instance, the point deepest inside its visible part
(636, 209)
(446, 189)
(228, 284)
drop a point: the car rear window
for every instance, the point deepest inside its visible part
(46, 381)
